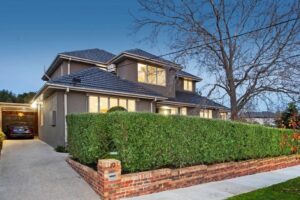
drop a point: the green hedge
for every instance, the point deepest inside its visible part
(87, 137)
(2, 137)
(147, 141)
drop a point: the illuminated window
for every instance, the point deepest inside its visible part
(103, 104)
(113, 102)
(93, 104)
(142, 73)
(167, 110)
(161, 76)
(151, 74)
(206, 113)
(223, 115)
(123, 103)
(183, 111)
(131, 106)
(187, 85)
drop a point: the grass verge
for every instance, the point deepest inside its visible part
(289, 190)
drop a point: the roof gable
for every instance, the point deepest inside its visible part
(184, 74)
(145, 56)
(97, 55)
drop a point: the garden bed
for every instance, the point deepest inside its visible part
(110, 183)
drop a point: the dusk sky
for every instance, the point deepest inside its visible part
(33, 32)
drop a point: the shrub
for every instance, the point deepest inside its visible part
(146, 141)
(87, 137)
(2, 137)
(117, 108)
(61, 149)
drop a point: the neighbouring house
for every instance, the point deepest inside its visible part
(263, 118)
(95, 80)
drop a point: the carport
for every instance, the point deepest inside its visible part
(18, 113)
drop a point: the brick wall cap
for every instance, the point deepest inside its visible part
(109, 163)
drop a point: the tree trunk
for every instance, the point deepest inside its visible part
(234, 109)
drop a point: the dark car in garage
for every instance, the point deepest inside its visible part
(19, 131)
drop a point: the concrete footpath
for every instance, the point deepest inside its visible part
(226, 188)
(32, 170)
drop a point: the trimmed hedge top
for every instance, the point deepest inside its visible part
(146, 141)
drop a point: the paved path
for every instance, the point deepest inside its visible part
(31, 170)
(227, 188)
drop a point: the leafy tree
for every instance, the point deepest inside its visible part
(290, 118)
(7, 96)
(10, 97)
(26, 97)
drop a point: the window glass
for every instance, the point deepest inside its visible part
(167, 110)
(183, 111)
(161, 76)
(151, 75)
(223, 115)
(131, 105)
(174, 111)
(123, 103)
(142, 73)
(187, 85)
(113, 102)
(103, 104)
(205, 113)
(93, 104)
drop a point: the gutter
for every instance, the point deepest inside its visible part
(83, 89)
(142, 58)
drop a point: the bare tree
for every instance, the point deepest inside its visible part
(244, 66)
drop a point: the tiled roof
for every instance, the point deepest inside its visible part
(182, 73)
(95, 78)
(97, 55)
(258, 115)
(145, 54)
(193, 98)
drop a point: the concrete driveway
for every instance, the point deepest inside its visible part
(30, 169)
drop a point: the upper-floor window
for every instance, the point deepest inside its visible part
(151, 74)
(188, 85)
(205, 113)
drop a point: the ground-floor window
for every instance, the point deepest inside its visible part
(104, 103)
(170, 110)
(206, 113)
(183, 111)
(223, 115)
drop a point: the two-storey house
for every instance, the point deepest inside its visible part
(95, 80)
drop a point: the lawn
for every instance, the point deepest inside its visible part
(289, 190)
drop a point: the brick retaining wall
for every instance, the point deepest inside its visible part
(110, 184)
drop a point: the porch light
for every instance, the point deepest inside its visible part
(34, 104)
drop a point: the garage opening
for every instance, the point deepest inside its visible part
(18, 114)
